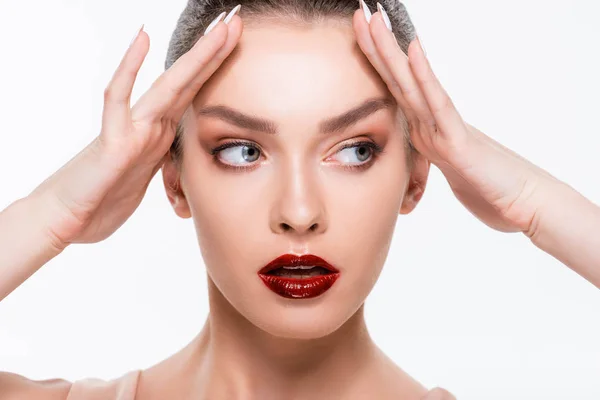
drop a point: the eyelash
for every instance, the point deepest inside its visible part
(376, 152)
(376, 149)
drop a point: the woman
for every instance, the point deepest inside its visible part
(296, 191)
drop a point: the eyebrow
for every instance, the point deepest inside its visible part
(331, 125)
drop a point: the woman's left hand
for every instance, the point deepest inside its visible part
(498, 186)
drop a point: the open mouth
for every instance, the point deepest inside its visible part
(299, 277)
(299, 272)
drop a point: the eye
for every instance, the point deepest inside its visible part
(237, 153)
(357, 153)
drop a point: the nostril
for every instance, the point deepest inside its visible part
(286, 228)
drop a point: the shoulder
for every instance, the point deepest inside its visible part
(15, 387)
(395, 383)
(122, 388)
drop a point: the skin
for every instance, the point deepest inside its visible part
(241, 345)
(298, 181)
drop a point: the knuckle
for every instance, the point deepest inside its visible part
(426, 124)
(423, 80)
(439, 393)
(109, 93)
(175, 90)
(144, 119)
(370, 51)
(395, 87)
(444, 106)
(389, 56)
(447, 104)
(410, 92)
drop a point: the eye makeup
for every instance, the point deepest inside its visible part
(235, 143)
(374, 149)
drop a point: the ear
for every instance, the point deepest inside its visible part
(416, 184)
(172, 182)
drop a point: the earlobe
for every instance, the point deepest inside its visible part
(172, 183)
(416, 185)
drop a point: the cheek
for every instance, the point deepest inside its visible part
(364, 207)
(363, 214)
(231, 211)
(221, 202)
(229, 216)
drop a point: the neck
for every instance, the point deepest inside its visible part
(239, 360)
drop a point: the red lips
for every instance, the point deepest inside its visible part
(299, 288)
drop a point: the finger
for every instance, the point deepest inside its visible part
(439, 394)
(440, 104)
(235, 27)
(366, 44)
(164, 92)
(397, 63)
(117, 94)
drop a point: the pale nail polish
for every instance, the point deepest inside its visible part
(386, 18)
(421, 44)
(232, 13)
(366, 10)
(214, 23)
(136, 35)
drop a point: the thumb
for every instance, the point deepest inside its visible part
(438, 394)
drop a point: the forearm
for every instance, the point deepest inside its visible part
(569, 229)
(24, 244)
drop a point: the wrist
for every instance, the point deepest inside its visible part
(25, 243)
(39, 212)
(568, 228)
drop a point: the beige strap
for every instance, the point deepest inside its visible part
(123, 388)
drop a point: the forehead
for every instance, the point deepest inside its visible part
(286, 71)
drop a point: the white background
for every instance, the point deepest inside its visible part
(484, 314)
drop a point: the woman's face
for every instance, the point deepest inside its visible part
(293, 184)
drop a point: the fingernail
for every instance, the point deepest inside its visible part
(386, 19)
(421, 44)
(232, 13)
(366, 10)
(214, 23)
(136, 35)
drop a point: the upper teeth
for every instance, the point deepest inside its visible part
(300, 267)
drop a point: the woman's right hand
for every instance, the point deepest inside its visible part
(91, 196)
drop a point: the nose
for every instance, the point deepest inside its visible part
(298, 207)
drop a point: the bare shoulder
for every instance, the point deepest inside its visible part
(14, 386)
(395, 383)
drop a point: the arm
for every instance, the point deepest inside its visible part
(568, 228)
(499, 187)
(25, 245)
(98, 190)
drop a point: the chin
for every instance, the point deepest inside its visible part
(306, 318)
(301, 319)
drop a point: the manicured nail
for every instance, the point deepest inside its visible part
(214, 23)
(365, 8)
(386, 19)
(136, 35)
(421, 44)
(232, 13)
